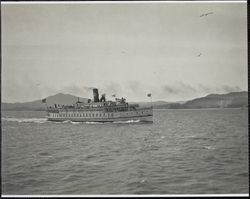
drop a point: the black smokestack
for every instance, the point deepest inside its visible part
(96, 95)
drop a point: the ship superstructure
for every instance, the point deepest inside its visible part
(100, 110)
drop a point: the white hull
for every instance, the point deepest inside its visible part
(143, 115)
(141, 119)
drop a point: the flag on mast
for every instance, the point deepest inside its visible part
(113, 95)
(149, 95)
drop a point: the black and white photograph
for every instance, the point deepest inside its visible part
(123, 98)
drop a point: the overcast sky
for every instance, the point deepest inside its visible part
(123, 49)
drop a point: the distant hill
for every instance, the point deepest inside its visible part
(155, 104)
(59, 98)
(161, 105)
(230, 100)
(170, 105)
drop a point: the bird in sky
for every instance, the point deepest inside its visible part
(205, 14)
(199, 55)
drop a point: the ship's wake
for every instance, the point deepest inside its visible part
(93, 122)
(114, 122)
(106, 122)
(43, 120)
(127, 122)
(25, 120)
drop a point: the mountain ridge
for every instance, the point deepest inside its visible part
(228, 100)
(59, 98)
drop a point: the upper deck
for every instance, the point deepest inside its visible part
(94, 107)
(119, 105)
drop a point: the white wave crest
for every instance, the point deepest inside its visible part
(126, 122)
(208, 147)
(93, 122)
(114, 122)
(66, 121)
(75, 122)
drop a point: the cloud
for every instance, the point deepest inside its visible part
(179, 88)
(220, 89)
(184, 91)
(23, 89)
(228, 89)
(86, 91)
(76, 90)
(169, 90)
(135, 88)
(112, 88)
(88, 88)
(205, 88)
(130, 89)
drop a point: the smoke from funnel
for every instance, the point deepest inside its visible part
(89, 88)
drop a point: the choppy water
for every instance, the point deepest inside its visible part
(182, 152)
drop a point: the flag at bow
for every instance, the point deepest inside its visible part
(149, 95)
(44, 100)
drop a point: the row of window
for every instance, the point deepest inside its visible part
(93, 114)
(83, 115)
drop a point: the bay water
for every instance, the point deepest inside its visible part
(196, 151)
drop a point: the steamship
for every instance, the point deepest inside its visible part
(100, 110)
